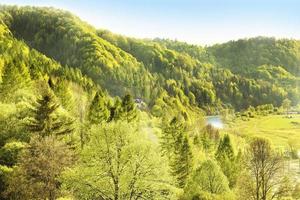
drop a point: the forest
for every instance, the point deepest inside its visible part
(89, 114)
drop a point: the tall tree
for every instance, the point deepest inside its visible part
(63, 92)
(264, 167)
(228, 161)
(114, 109)
(119, 163)
(182, 161)
(98, 111)
(128, 108)
(225, 148)
(175, 145)
(45, 121)
(208, 177)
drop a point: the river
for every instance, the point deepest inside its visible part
(215, 121)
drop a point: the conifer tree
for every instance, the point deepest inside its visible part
(176, 147)
(98, 111)
(182, 163)
(15, 77)
(114, 109)
(225, 148)
(45, 122)
(63, 93)
(128, 108)
(227, 160)
(171, 132)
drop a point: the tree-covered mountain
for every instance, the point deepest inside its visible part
(89, 114)
(242, 55)
(203, 75)
(220, 75)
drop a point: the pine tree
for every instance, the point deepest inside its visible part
(128, 108)
(98, 111)
(225, 148)
(114, 109)
(175, 145)
(171, 131)
(63, 93)
(227, 160)
(182, 164)
(15, 76)
(45, 122)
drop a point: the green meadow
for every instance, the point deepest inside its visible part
(279, 129)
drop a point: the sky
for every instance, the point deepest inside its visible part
(203, 22)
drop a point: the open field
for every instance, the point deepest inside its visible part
(278, 128)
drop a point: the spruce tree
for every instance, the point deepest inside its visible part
(128, 108)
(175, 145)
(114, 109)
(225, 148)
(227, 160)
(98, 111)
(182, 163)
(45, 122)
(15, 76)
(63, 93)
(171, 132)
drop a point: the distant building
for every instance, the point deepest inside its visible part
(138, 100)
(140, 104)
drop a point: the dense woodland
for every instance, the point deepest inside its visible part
(89, 114)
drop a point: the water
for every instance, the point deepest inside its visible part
(215, 121)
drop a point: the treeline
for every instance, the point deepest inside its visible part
(88, 114)
(206, 77)
(205, 80)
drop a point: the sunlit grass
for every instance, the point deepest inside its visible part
(278, 128)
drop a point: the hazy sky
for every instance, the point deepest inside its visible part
(193, 21)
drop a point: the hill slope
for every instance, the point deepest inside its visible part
(237, 74)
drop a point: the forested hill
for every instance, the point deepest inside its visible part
(89, 114)
(164, 73)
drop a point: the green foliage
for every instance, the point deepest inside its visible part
(98, 111)
(209, 138)
(12, 120)
(128, 108)
(37, 172)
(67, 39)
(228, 161)
(45, 121)
(254, 52)
(123, 153)
(175, 145)
(286, 104)
(207, 178)
(63, 91)
(10, 152)
(119, 163)
(5, 173)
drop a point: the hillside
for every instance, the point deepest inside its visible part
(204, 76)
(242, 55)
(90, 114)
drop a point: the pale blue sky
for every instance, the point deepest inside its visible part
(194, 21)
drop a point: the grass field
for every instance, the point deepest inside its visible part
(278, 128)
